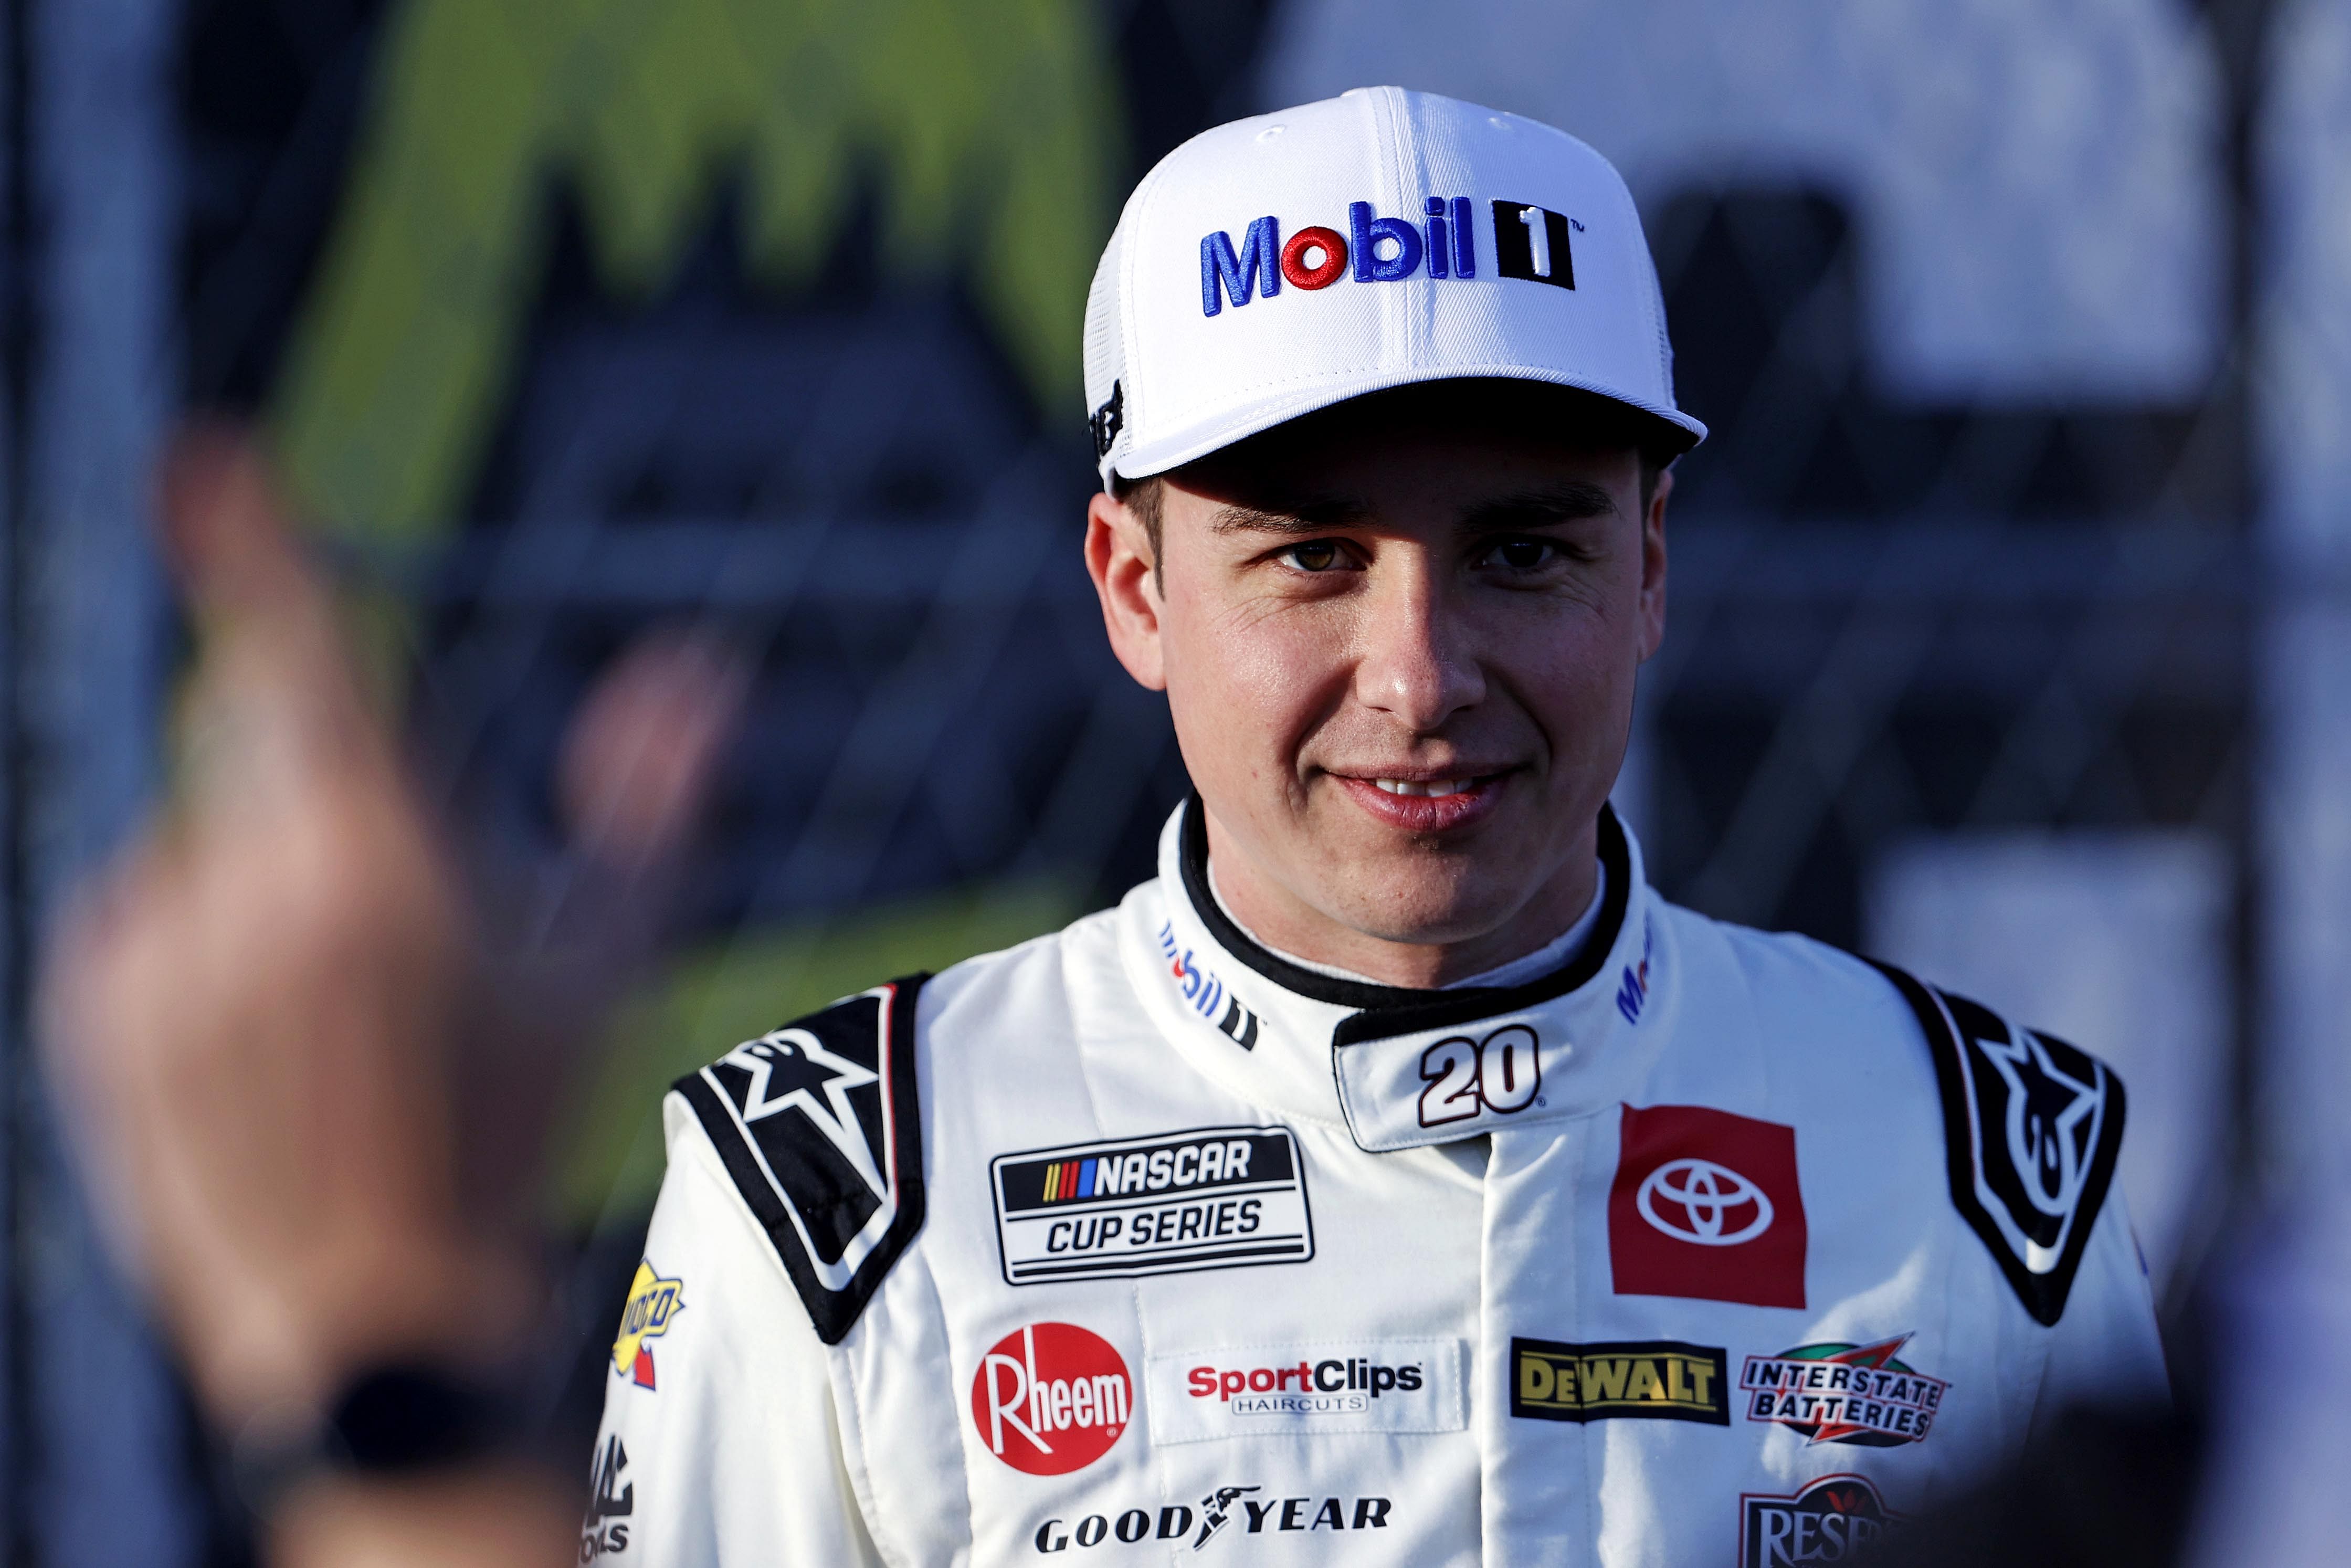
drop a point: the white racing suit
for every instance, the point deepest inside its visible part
(1141, 1243)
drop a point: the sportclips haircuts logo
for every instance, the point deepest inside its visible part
(1366, 1385)
(1051, 1398)
(1530, 243)
(1222, 1508)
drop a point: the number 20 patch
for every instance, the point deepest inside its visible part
(1502, 1072)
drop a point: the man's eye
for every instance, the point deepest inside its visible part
(1317, 555)
(1522, 555)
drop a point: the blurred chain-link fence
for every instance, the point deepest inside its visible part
(773, 361)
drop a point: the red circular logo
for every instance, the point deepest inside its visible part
(1051, 1398)
(1323, 273)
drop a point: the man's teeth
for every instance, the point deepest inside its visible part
(1432, 787)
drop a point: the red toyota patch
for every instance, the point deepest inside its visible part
(1705, 1205)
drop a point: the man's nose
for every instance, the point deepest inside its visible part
(1417, 660)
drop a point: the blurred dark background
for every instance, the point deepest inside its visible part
(2003, 594)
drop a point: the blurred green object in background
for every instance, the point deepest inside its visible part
(738, 989)
(987, 136)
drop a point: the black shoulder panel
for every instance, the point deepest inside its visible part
(2032, 1127)
(820, 1125)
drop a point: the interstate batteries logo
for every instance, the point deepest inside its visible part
(1649, 1380)
(1219, 1198)
(1839, 1393)
(1834, 1520)
(1383, 1385)
(1051, 1398)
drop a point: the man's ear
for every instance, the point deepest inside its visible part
(1119, 559)
(1653, 567)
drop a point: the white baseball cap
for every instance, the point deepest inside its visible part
(1279, 265)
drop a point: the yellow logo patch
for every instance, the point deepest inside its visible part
(652, 1302)
(1658, 1380)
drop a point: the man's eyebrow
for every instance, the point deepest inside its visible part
(1563, 503)
(1290, 520)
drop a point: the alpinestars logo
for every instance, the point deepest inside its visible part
(609, 1501)
(1835, 1519)
(819, 1127)
(2040, 1123)
(1839, 1393)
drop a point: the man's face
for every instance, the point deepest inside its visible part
(1400, 654)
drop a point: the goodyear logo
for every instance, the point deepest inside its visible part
(652, 1302)
(1654, 1380)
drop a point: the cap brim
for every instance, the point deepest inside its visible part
(1676, 430)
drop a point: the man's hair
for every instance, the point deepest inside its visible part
(1585, 422)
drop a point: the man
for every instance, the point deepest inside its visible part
(1397, 1178)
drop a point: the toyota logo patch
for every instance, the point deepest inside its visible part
(1705, 1205)
(1701, 1202)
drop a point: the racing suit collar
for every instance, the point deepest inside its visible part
(1383, 1010)
(1397, 1067)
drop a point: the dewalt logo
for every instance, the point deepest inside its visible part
(1655, 1380)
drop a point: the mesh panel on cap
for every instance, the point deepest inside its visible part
(1105, 337)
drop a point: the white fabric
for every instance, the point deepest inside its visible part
(761, 1446)
(1194, 367)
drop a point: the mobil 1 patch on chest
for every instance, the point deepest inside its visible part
(1214, 1198)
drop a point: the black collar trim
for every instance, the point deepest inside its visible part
(1384, 1011)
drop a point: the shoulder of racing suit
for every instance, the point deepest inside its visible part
(2033, 1126)
(820, 1125)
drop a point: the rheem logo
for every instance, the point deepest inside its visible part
(1051, 1398)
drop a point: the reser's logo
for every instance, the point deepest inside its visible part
(1701, 1202)
(1502, 1073)
(1531, 242)
(1051, 1398)
(1835, 1519)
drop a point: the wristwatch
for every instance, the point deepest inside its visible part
(396, 1420)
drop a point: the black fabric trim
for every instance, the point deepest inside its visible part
(1384, 1011)
(834, 1313)
(2042, 1295)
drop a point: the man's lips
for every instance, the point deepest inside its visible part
(1419, 803)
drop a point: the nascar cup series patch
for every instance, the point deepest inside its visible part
(1214, 1198)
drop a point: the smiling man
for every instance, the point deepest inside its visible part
(1397, 1178)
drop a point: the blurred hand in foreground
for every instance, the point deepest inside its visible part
(252, 1021)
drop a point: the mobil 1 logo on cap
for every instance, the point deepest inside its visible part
(1216, 1197)
(1528, 243)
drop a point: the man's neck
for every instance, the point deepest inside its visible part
(1278, 919)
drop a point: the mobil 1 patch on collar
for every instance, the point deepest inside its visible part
(1214, 1198)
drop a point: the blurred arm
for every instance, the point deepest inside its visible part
(2105, 1351)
